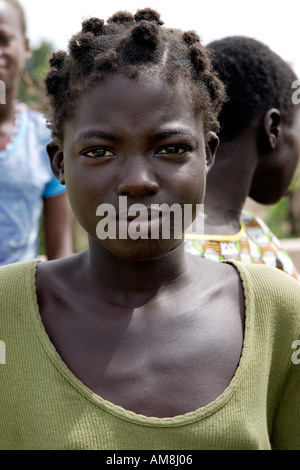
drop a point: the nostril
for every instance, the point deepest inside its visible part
(123, 193)
(137, 190)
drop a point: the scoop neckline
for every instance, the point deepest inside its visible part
(128, 415)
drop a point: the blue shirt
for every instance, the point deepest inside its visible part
(25, 180)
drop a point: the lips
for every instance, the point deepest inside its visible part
(136, 228)
(144, 214)
(141, 221)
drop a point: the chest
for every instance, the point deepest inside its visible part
(162, 359)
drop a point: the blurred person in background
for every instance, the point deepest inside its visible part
(27, 185)
(257, 156)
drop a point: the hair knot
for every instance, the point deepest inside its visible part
(94, 26)
(52, 81)
(199, 58)
(122, 17)
(57, 59)
(147, 14)
(146, 33)
(190, 38)
(80, 44)
(106, 62)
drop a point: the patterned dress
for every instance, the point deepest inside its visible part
(254, 243)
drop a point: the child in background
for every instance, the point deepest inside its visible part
(134, 344)
(27, 184)
(257, 156)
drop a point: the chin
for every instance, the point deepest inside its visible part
(267, 199)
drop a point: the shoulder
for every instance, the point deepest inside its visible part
(55, 275)
(269, 279)
(273, 294)
(17, 291)
(15, 276)
(222, 277)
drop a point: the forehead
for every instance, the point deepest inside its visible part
(120, 101)
(10, 16)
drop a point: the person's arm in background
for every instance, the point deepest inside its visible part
(58, 228)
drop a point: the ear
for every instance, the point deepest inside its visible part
(56, 157)
(272, 129)
(211, 149)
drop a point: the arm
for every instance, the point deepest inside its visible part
(58, 229)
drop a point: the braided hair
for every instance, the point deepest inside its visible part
(130, 44)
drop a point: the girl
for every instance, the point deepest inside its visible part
(135, 344)
(26, 182)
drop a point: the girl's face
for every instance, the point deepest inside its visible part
(14, 48)
(137, 139)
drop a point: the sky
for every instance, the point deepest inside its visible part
(274, 22)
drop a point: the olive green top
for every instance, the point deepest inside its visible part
(44, 406)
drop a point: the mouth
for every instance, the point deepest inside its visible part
(141, 223)
(157, 222)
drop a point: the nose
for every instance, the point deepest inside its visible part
(137, 180)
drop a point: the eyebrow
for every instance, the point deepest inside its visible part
(85, 136)
(171, 132)
(88, 135)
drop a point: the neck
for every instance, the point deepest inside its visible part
(122, 281)
(228, 185)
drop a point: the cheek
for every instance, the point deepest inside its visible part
(186, 188)
(192, 193)
(82, 198)
(200, 185)
(195, 183)
(17, 57)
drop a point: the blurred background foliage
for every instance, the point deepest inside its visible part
(283, 218)
(31, 92)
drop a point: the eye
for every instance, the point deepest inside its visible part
(177, 152)
(172, 149)
(5, 39)
(98, 152)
